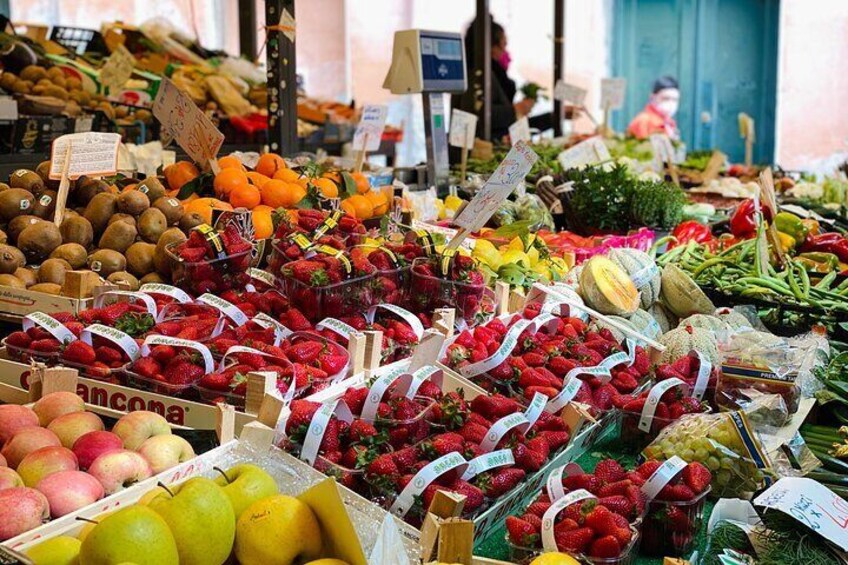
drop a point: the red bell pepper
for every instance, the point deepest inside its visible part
(829, 243)
(690, 230)
(743, 222)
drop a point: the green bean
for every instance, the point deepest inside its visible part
(769, 283)
(826, 281)
(736, 247)
(805, 280)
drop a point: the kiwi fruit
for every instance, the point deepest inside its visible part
(123, 278)
(14, 202)
(43, 170)
(44, 204)
(47, 288)
(3, 237)
(160, 257)
(190, 221)
(140, 258)
(99, 210)
(74, 253)
(151, 224)
(3, 186)
(19, 224)
(33, 73)
(106, 261)
(22, 86)
(121, 217)
(118, 236)
(53, 271)
(56, 91)
(152, 278)
(26, 179)
(11, 259)
(39, 240)
(13, 281)
(7, 80)
(87, 188)
(171, 207)
(153, 188)
(76, 229)
(28, 276)
(133, 202)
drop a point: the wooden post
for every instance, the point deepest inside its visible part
(356, 351)
(456, 540)
(258, 435)
(427, 350)
(360, 155)
(444, 319)
(259, 385)
(225, 422)
(44, 380)
(502, 298)
(373, 351)
(64, 185)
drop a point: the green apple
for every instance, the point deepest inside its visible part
(245, 484)
(136, 534)
(201, 518)
(61, 550)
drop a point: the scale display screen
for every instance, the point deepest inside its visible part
(442, 62)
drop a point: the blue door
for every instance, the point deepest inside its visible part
(723, 53)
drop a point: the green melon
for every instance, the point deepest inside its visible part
(682, 295)
(643, 271)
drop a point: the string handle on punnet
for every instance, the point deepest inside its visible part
(177, 294)
(705, 368)
(548, 519)
(281, 332)
(487, 462)
(153, 340)
(662, 476)
(553, 484)
(411, 319)
(222, 364)
(148, 301)
(56, 328)
(119, 338)
(407, 386)
(229, 309)
(336, 326)
(318, 427)
(424, 478)
(654, 396)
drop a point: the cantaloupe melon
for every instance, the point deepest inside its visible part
(680, 341)
(682, 295)
(664, 318)
(607, 288)
(643, 271)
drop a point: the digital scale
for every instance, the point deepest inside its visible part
(431, 63)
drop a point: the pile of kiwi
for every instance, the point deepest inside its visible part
(119, 234)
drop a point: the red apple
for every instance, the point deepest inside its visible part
(70, 427)
(13, 418)
(51, 406)
(68, 491)
(46, 461)
(21, 509)
(9, 478)
(25, 441)
(3, 462)
(94, 444)
(120, 469)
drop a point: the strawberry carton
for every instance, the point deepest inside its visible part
(42, 337)
(676, 492)
(391, 278)
(324, 362)
(402, 330)
(462, 287)
(300, 231)
(194, 321)
(133, 313)
(169, 365)
(696, 371)
(210, 261)
(101, 353)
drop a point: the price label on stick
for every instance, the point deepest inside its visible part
(91, 153)
(117, 69)
(569, 93)
(463, 129)
(500, 185)
(183, 121)
(369, 132)
(588, 152)
(612, 93)
(520, 131)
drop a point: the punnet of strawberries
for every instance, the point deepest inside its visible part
(686, 369)
(326, 286)
(229, 384)
(304, 223)
(462, 288)
(312, 355)
(167, 369)
(399, 339)
(672, 405)
(39, 344)
(199, 269)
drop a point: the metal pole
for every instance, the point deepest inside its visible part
(282, 80)
(559, 59)
(481, 80)
(247, 28)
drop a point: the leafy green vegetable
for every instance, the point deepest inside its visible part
(697, 159)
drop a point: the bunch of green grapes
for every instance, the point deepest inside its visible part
(712, 440)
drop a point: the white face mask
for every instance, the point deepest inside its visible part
(667, 107)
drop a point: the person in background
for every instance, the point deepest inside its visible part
(658, 114)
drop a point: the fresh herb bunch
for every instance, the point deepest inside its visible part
(656, 204)
(697, 159)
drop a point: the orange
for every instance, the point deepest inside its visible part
(362, 184)
(378, 200)
(269, 164)
(287, 175)
(348, 207)
(204, 206)
(179, 173)
(362, 206)
(245, 196)
(257, 179)
(230, 162)
(228, 180)
(333, 176)
(280, 194)
(326, 187)
(263, 222)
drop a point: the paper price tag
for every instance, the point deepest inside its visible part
(186, 123)
(488, 461)
(463, 129)
(153, 340)
(537, 406)
(500, 428)
(587, 152)
(507, 345)
(177, 294)
(662, 476)
(503, 181)
(148, 301)
(56, 328)
(653, 399)
(119, 338)
(548, 519)
(520, 131)
(569, 93)
(92, 154)
(612, 93)
(369, 132)
(117, 69)
(229, 309)
(318, 426)
(336, 326)
(703, 377)
(424, 477)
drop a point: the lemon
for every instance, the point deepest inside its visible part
(555, 558)
(516, 244)
(440, 209)
(487, 253)
(533, 255)
(515, 256)
(453, 203)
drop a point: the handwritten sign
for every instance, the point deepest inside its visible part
(370, 129)
(812, 504)
(92, 153)
(503, 181)
(663, 150)
(520, 131)
(463, 129)
(587, 152)
(612, 93)
(449, 233)
(117, 69)
(288, 25)
(183, 121)
(569, 93)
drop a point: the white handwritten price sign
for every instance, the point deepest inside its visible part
(812, 504)
(612, 93)
(500, 185)
(587, 152)
(117, 69)
(370, 129)
(183, 121)
(91, 153)
(463, 129)
(569, 93)
(520, 131)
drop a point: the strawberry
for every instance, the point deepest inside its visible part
(296, 321)
(451, 410)
(610, 489)
(473, 432)
(539, 445)
(609, 471)
(635, 495)
(79, 352)
(331, 441)
(500, 481)
(332, 364)
(679, 492)
(214, 381)
(163, 354)
(697, 477)
(585, 481)
(675, 519)
(534, 359)
(495, 406)
(635, 478)
(146, 367)
(573, 541)
(442, 444)
(355, 399)
(383, 466)
(555, 439)
(182, 372)
(360, 430)
(533, 520)
(619, 504)
(520, 532)
(528, 459)
(305, 352)
(301, 413)
(109, 355)
(605, 547)
(19, 339)
(538, 508)
(473, 496)
(405, 458)
(648, 468)
(48, 345)
(602, 396)
(560, 366)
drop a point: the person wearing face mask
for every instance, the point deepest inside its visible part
(658, 114)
